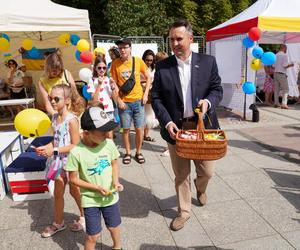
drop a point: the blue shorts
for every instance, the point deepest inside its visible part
(111, 215)
(134, 111)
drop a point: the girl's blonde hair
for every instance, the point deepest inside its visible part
(77, 104)
(53, 61)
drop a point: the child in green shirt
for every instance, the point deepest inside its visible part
(93, 167)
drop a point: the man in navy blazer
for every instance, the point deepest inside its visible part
(182, 82)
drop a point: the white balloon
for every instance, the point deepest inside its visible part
(85, 74)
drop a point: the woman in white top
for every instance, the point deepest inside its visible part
(103, 89)
(150, 120)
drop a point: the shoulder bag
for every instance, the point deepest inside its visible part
(128, 85)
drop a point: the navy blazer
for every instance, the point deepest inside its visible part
(166, 93)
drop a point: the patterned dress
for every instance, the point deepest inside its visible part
(269, 85)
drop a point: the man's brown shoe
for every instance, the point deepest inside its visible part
(284, 106)
(178, 223)
(201, 197)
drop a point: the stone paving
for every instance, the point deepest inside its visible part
(253, 199)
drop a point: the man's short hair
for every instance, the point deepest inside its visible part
(182, 23)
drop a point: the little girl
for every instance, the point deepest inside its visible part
(103, 89)
(66, 135)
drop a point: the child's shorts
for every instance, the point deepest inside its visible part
(111, 215)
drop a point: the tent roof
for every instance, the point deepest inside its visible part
(41, 15)
(271, 16)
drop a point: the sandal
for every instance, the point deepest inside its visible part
(139, 158)
(53, 229)
(126, 159)
(148, 138)
(78, 225)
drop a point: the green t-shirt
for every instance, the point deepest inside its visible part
(94, 166)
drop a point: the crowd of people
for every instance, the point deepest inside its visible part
(155, 90)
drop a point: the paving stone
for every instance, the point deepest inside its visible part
(293, 238)
(251, 184)
(281, 209)
(233, 164)
(231, 222)
(16, 238)
(265, 243)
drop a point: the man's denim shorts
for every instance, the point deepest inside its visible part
(111, 215)
(134, 111)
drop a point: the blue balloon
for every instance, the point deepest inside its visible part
(268, 58)
(86, 94)
(5, 36)
(257, 52)
(74, 39)
(34, 53)
(247, 42)
(77, 55)
(249, 88)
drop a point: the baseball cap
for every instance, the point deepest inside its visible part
(124, 40)
(94, 118)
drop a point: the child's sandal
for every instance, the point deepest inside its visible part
(78, 225)
(53, 229)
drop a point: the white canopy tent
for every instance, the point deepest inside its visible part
(279, 22)
(43, 22)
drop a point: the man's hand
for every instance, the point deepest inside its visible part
(204, 106)
(172, 129)
(121, 105)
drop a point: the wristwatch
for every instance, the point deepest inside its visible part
(55, 151)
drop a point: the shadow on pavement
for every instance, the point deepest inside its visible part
(288, 185)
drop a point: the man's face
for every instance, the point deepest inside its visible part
(125, 50)
(180, 40)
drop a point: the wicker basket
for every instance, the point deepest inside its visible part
(201, 148)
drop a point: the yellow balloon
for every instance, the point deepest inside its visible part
(64, 39)
(27, 44)
(4, 44)
(32, 122)
(98, 51)
(256, 64)
(83, 45)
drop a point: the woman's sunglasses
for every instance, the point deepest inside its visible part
(103, 68)
(56, 99)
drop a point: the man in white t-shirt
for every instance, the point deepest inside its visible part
(280, 77)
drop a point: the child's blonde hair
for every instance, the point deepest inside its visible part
(77, 104)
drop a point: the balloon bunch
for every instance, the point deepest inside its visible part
(260, 57)
(4, 42)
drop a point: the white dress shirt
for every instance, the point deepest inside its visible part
(184, 68)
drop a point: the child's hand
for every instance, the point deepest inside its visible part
(46, 150)
(103, 191)
(119, 187)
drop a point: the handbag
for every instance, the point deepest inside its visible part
(55, 163)
(128, 85)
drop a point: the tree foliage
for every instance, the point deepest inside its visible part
(136, 18)
(153, 17)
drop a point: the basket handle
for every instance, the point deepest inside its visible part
(200, 124)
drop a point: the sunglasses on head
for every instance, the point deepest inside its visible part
(55, 98)
(99, 68)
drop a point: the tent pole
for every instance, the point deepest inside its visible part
(246, 79)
